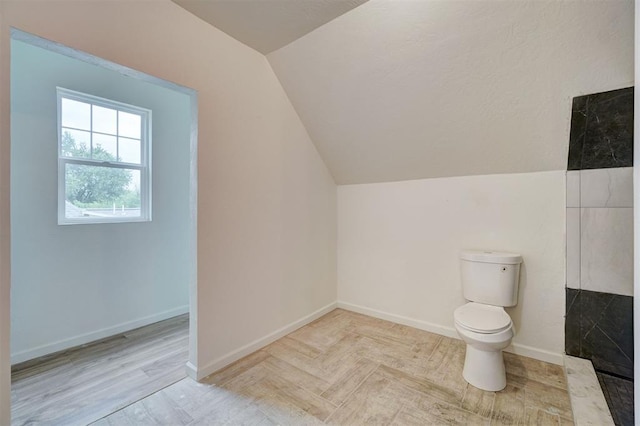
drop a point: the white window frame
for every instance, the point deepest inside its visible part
(144, 167)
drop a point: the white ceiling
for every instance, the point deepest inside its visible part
(267, 25)
(409, 89)
(396, 90)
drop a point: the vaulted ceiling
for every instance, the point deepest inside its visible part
(267, 25)
(398, 89)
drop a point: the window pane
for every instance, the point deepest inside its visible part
(129, 125)
(104, 120)
(101, 192)
(129, 150)
(76, 114)
(104, 147)
(76, 143)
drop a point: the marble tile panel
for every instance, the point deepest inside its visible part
(605, 187)
(573, 188)
(573, 247)
(605, 354)
(606, 250)
(572, 342)
(619, 395)
(587, 399)
(608, 137)
(578, 128)
(606, 336)
(616, 322)
(602, 130)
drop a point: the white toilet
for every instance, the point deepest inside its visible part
(489, 282)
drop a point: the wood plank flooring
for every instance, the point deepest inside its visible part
(350, 369)
(84, 384)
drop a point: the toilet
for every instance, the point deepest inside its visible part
(489, 283)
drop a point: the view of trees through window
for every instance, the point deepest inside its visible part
(104, 160)
(95, 186)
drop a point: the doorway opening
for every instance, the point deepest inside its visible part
(114, 156)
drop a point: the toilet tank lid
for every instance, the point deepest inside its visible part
(491, 257)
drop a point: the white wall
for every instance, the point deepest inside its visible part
(86, 282)
(266, 202)
(398, 248)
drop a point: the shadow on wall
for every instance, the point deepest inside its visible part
(516, 312)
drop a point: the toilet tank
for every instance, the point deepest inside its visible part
(490, 277)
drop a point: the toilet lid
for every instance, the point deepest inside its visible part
(482, 318)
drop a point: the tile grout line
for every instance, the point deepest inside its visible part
(346, 398)
(493, 406)
(435, 348)
(395, 416)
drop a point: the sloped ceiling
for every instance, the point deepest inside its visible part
(396, 90)
(267, 25)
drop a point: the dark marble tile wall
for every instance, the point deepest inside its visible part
(602, 130)
(599, 326)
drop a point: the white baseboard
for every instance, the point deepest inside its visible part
(516, 348)
(223, 361)
(536, 353)
(419, 324)
(192, 371)
(81, 339)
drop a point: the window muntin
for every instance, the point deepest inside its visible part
(104, 150)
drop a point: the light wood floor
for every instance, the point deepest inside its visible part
(349, 369)
(84, 384)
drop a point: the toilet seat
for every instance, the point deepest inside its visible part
(483, 319)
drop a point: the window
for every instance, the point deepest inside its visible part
(104, 157)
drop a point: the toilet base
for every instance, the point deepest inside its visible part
(484, 369)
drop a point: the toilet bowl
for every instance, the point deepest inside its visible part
(486, 330)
